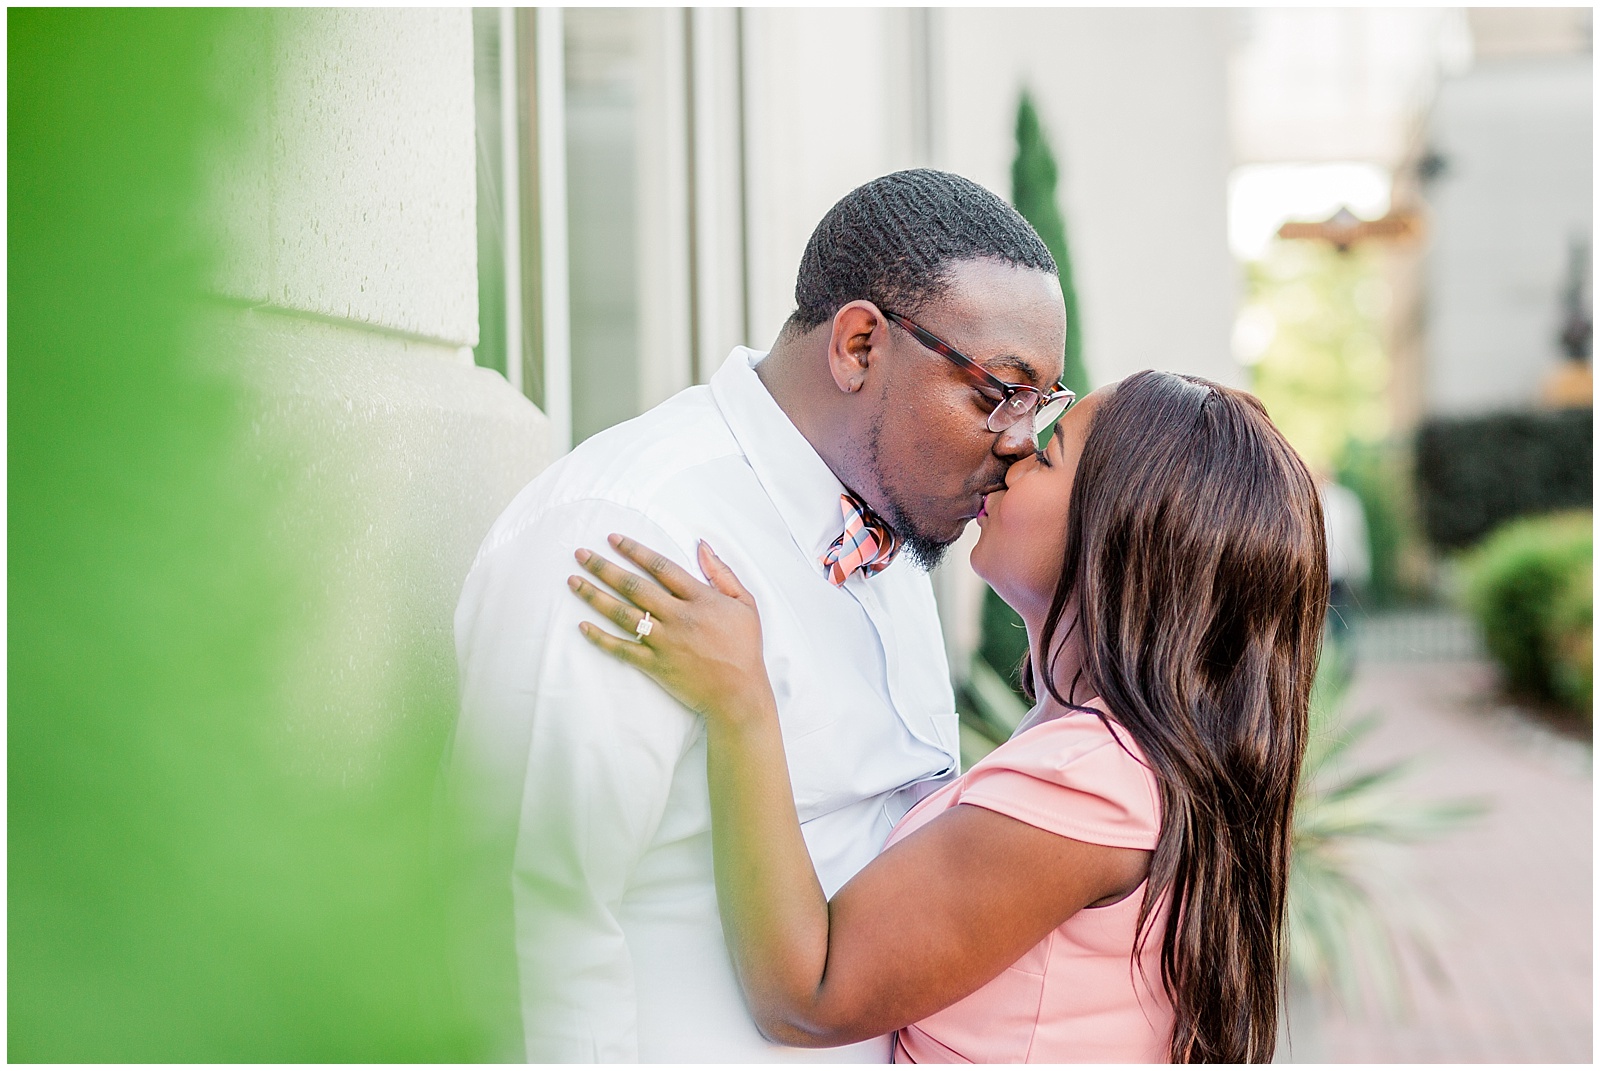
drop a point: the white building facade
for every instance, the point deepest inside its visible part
(699, 147)
(1512, 222)
(464, 240)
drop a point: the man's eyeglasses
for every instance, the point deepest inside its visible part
(1017, 400)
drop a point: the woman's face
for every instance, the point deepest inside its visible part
(1024, 526)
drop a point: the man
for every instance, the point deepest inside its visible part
(806, 469)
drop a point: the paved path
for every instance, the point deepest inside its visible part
(1512, 892)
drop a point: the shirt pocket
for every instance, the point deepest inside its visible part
(804, 707)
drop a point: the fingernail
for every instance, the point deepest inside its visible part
(581, 554)
(574, 583)
(614, 539)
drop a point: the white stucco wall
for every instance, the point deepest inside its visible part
(1135, 103)
(357, 202)
(352, 299)
(1516, 137)
(825, 111)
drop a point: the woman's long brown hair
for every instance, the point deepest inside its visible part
(1196, 571)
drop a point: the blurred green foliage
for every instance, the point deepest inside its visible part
(1321, 369)
(991, 708)
(1571, 636)
(1003, 640)
(1530, 588)
(1380, 475)
(1318, 363)
(190, 876)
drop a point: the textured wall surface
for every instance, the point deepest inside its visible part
(400, 459)
(354, 242)
(357, 201)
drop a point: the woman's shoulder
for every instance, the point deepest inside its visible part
(1079, 774)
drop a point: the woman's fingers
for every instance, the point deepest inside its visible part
(720, 575)
(674, 579)
(614, 610)
(635, 654)
(639, 590)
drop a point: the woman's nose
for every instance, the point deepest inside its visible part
(1006, 481)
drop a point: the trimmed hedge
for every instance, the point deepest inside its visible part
(1529, 587)
(1476, 473)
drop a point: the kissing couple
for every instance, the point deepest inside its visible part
(707, 722)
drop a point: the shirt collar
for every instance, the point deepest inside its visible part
(800, 484)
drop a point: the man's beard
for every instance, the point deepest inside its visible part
(925, 551)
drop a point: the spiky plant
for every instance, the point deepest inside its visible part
(1351, 912)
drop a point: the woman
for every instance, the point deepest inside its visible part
(1109, 884)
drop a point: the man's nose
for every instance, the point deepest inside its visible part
(1017, 441)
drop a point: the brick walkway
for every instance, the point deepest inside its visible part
(1512, 892)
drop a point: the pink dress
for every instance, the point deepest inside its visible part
(1074, 997)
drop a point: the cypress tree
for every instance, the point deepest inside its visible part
(1033, 193)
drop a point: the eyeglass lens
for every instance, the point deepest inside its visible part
(1020, 406)
(1048, 413)
(1013, 409)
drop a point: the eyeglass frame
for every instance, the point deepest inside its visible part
(981, 376)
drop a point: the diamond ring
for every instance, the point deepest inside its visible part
(644, 626)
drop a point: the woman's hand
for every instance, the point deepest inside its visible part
(703, 643)
(926, 923)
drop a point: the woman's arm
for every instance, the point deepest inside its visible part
(926, 923)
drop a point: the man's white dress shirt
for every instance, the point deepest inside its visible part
(599, 776)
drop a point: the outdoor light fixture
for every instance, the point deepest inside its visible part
(1344, 228)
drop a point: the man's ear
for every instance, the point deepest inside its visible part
(856, 328)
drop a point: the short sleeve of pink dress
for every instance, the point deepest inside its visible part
(1077, 996)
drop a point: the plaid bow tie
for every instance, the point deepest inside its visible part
(867, 544)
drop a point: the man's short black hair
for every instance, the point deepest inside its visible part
(895, 240)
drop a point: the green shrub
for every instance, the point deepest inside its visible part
(1528, 587)
(1572, 642)
(1476, 473)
